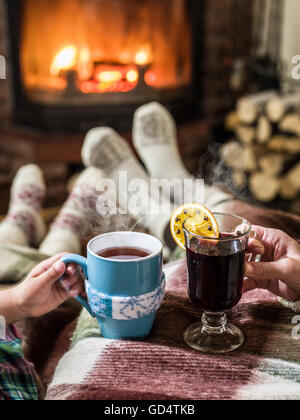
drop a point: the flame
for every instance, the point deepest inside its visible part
(85, 65)
(64, 60)
(109, 76)
(144, 55)
(132, 76)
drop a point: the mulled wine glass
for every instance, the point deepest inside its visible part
(215, 283)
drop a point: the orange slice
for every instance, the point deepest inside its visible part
(201, 222)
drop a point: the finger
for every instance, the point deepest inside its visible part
(286, 292)
(249, 284)
(76, 290)
(72, 270)
(53, 274)
(255, 246)
(69, 282)
(45, 265)
(274, 239)
(267, 271)
(259, 230)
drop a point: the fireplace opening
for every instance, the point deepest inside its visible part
(82, 62)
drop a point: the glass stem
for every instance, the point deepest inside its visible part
(214, 322)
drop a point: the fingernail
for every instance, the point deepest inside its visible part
(59, 266)
(71, 271)
(74, 293)
(249, 270)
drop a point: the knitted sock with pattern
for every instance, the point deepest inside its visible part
(76, 217)
(155, 139)
(24, 224)
(107, 150)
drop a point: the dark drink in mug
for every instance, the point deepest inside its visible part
(124, 253)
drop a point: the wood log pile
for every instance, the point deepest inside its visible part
(264, 152)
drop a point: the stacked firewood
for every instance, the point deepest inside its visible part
(264, 153)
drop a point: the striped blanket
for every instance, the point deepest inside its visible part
(163, 367)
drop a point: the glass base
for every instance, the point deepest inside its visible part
(214, 335)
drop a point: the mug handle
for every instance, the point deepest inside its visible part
(82, 262)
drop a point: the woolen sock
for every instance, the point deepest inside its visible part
(76, 218)
(107, 150)
(155, 139)
(24, 224)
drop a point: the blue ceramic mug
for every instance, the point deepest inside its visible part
(123, 295)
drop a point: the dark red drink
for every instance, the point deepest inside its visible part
(216, 273)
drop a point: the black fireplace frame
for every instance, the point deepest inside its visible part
(73, 118)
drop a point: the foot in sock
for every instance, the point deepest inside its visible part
(155, 139)
(76, 218)
(105, 149)
(24, 225)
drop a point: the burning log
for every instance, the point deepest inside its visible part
(264, 186)
(249, 107)
(277, 107)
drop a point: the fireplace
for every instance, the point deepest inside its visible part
(79, 63)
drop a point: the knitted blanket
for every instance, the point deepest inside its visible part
(163, 367)
(17, 262)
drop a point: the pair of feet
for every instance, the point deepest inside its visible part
(105, 155)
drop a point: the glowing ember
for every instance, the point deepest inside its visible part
(144, 55)
(65, 60)
(100, 78)
(111, 78)
(132, 76)
(150, 78)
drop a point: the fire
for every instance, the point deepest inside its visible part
(64, 60)
(85, 64)
(132, 76)
(144, 55)
(111, 78)
(139, 44)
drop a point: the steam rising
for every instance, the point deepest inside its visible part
(216, 173)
